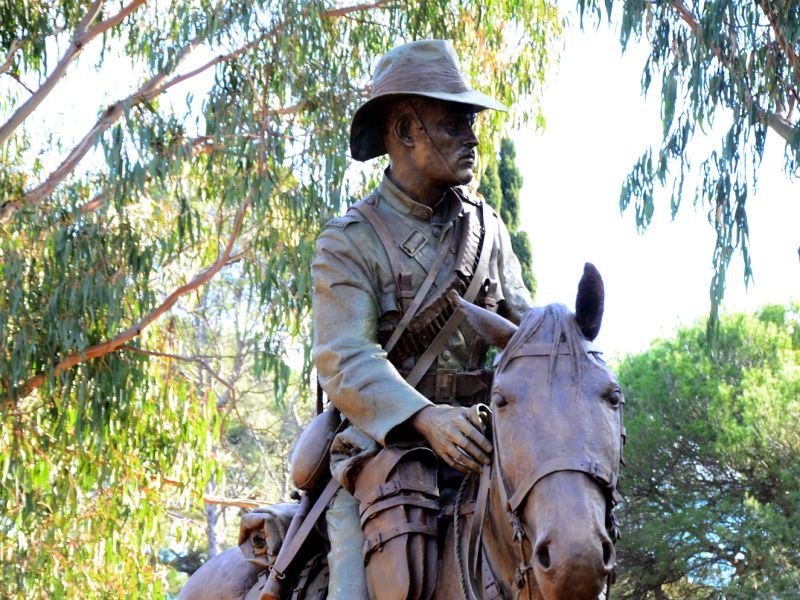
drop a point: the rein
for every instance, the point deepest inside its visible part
(604, 475)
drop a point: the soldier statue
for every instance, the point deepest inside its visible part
(391, 353)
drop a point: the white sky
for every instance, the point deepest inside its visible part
(598, 124)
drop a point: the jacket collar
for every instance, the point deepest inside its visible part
(446, 210)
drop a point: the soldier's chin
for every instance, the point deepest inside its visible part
(464, 175)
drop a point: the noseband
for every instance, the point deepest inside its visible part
(604, 475)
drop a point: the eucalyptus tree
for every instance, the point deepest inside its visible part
(114, 232)
(717, 60)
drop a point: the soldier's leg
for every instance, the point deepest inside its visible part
(346, 557)
(399, 505)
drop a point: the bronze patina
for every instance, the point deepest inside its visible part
(406, 370)
(537, 521)
(394, 279)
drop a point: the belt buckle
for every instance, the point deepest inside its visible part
(446, 385)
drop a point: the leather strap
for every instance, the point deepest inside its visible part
(444, 249)
(366, 210)
(603, 474)
(548, 349)
(289, 551)
(464, 385)
(394, 487)
(426, 360)
(474, 542)
(379, 539)
(404, 500)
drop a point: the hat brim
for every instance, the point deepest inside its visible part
(366, 140)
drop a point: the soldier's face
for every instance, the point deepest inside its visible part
(445, 140)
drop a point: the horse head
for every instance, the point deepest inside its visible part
(557, 429)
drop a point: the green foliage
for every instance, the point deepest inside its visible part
(490, 186)
(712, 500)
(510, 184)
(205, 210)
(500, 186)
(521, 244)
(734, 60)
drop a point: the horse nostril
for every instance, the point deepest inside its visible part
(608, 555)
(543, 556)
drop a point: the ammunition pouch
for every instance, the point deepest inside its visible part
(449, 386)
(399, 505)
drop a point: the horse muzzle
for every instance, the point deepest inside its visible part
(572, 553)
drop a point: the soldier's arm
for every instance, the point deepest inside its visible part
(355, 372)
(352, 367)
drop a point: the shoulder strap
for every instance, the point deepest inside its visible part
(478, 279)
(444, 248)
(402, 277)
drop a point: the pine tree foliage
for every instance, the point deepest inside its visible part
(116, 243)
(500, 186)
(712, 492)
(717, 61)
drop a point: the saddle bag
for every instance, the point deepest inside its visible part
(399, 505)
(310, 455)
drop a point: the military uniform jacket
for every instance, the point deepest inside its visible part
(355, 305)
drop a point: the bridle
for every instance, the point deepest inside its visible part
(604, 475)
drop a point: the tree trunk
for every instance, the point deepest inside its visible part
(212, 514)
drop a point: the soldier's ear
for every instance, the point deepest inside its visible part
(491, 327)
(402, 130)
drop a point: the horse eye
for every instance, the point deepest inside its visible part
(499, 400)
(614, 397)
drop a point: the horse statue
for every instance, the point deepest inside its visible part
(537, 523)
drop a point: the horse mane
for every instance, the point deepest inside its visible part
(553, 323)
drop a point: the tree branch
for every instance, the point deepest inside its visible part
(150, 90)
(121, 339)
(346, 10)
(786, 46)
(15, 45)
(237, 502)
(147, 92)
(79, 41)
(778, 124)
(193, 359)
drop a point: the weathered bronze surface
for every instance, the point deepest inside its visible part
(536, 523)
(410, 286)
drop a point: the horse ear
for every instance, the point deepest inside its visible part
(491, 327)
(590, 302)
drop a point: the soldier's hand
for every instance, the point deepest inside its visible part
(454, 436)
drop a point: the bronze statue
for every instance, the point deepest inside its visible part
(394, 280)
(385, 269)
(537, 522)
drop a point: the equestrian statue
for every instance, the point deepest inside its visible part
(428, 475)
